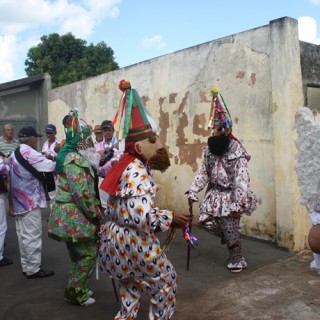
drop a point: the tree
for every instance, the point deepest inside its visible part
(68, 59)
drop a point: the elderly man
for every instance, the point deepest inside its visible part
(7, 142)
(28, 197)
(7, 145)
(75, 214)
(129, 249)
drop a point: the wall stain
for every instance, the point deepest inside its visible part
(189, 152)
(145, 100)
(172, 97)
(240, 75)
(200, 125)
(164, 125)
(253, 78)
(203, 97)
(105, 87)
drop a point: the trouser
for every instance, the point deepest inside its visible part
(83, 257)
(228, 229)
(162, 295)
(29, 232)
(3, 223)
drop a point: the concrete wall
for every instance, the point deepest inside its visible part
(310, 66)
(258, 72)
(24, 102)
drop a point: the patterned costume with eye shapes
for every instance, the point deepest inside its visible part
(228, 190)
(130, 250)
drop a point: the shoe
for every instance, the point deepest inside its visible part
(236, 270)
(41, 274)
(90, 293)
(88, 302)
(5, 262)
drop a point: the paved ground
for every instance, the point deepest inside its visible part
(277, 285)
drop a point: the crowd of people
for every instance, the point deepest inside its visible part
(103, 206)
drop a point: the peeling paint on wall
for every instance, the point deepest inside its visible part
(240, 75)
(253, 78)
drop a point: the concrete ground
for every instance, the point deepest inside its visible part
(276, 285)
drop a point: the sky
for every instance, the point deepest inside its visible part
(139, 30)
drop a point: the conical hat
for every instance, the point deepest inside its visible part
(219, 113)
(132, 122)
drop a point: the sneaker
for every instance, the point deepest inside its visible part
(90, 293)
(5, 262)
(88, 302)
(236, 270)
(41, 274)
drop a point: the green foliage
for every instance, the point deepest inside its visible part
(68, 59)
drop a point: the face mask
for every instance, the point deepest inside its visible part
(85, 143)
(86, 148)
(218, 145)
(160, 160)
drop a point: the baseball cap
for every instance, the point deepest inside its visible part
(28, 132)
(106, 124)
(50, 128)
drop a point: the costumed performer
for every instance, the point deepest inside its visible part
(224, 171)
(75, 214)
(129, 248)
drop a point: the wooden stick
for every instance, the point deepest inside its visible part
(115, 290)
(188, 248)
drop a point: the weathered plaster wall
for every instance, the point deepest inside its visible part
(24, 102)
(258, 73)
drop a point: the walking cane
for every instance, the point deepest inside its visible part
(190, 202)
(115, 290)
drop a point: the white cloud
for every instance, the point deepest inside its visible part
(26, 22)
(7, 54)
(154, 42)
(308, 30)
(315, 2)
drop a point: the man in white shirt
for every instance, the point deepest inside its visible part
(51, 143)
(109, 153)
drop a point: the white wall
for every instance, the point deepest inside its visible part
(259, 75)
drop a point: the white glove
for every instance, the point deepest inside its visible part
(314, 217)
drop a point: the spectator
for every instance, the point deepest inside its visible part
(109, 153)
(98, 134)
(7, 142)
(4, 170)
(7, 145)
(28, 197)
(48, 148)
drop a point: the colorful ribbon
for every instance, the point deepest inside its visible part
(190, 238)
